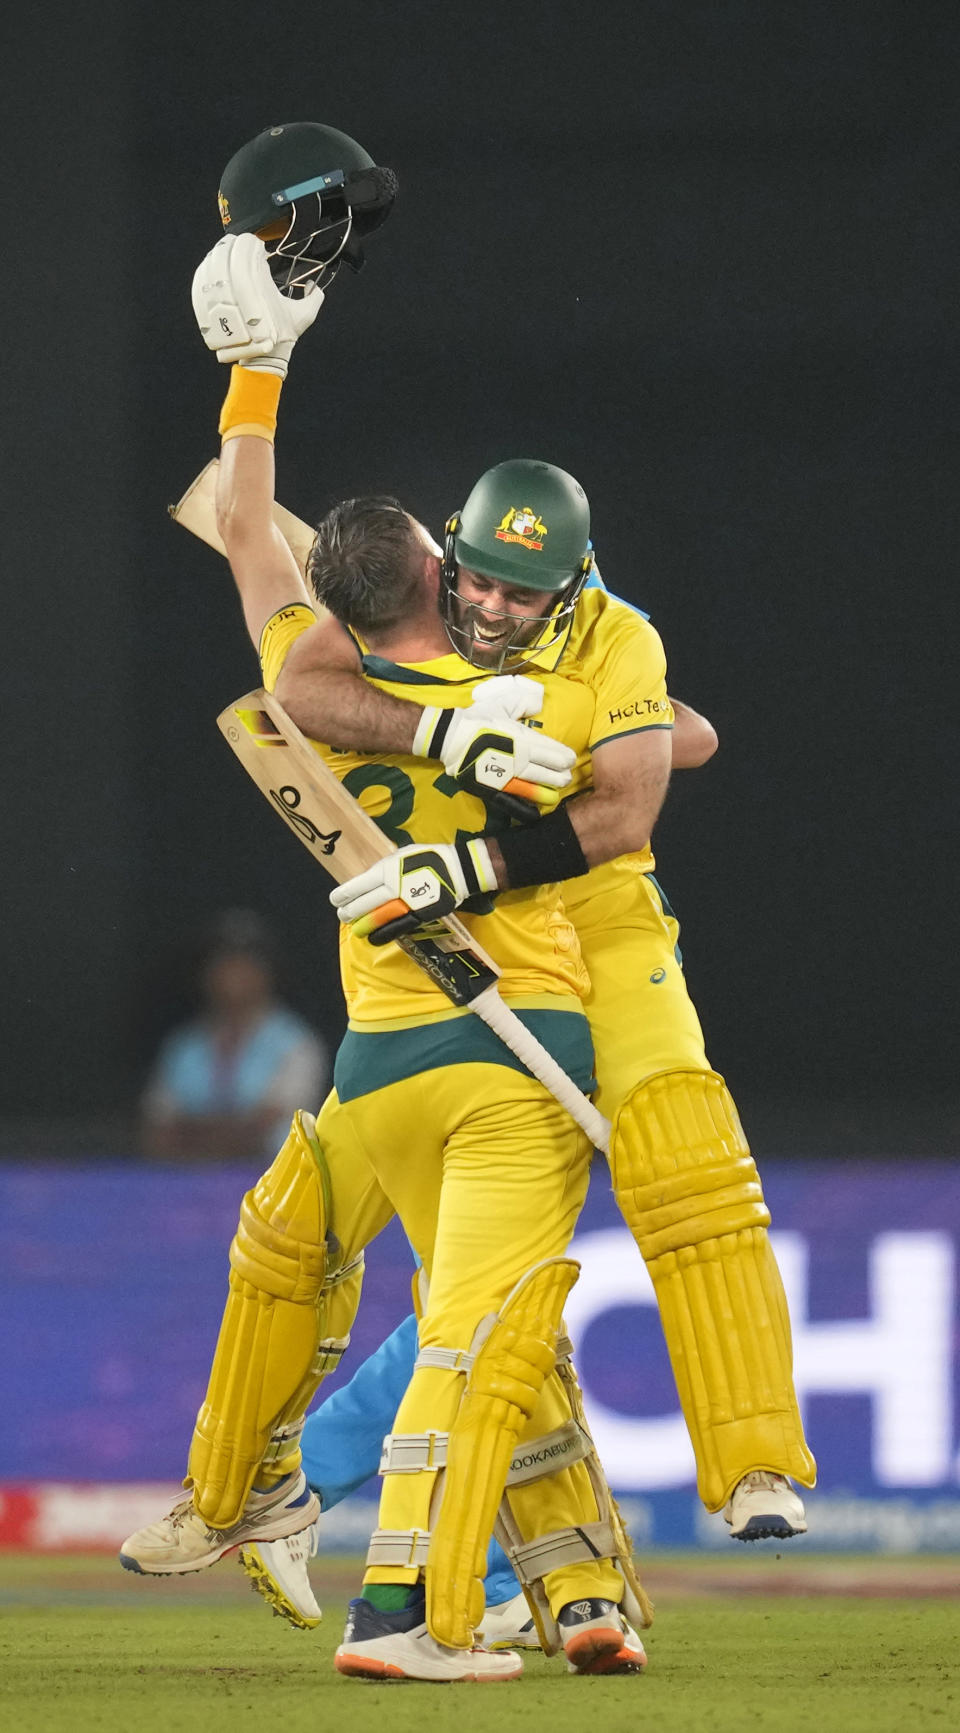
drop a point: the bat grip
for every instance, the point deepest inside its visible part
(513, 806)
(514, 1034)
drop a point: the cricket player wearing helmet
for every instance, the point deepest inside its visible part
(682, 1171)
(488, 1196)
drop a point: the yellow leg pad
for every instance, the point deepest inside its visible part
(689, 1191)
(338, 1307)
(265, 1368)
(557, 1520)
(636, 1602)
(408, 1501)
(501, 1395)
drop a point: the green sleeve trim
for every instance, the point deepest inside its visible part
(379, 668)
(648, 728)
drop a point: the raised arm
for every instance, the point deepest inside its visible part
(321, 682)
(246, 320)
(265, 572)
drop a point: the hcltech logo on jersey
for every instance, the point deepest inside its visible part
(522, 525)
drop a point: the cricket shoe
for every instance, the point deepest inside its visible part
(398, 1645)
(182, 1541)
(764, 1505)
(597, 1639)
(509, 1625)
(278, 1571)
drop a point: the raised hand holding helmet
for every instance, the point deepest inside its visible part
(242, 314)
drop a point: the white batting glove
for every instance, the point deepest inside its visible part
(419, 883)
(241, 312)
(489, 748)
(511, 695)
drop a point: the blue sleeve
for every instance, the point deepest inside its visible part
(343, 1437)
(595, 582)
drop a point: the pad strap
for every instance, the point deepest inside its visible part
(536, 1457)
(444, 1360)
(413, 1452)
(532, 1560)
(416, 1452)
(343, 1271)
(283, 1440)
(406, 1547)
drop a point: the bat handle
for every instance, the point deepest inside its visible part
(514, 1034)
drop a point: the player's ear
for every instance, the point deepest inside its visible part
(431, 568)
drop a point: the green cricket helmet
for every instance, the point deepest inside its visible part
(317, 191)
(525, 524)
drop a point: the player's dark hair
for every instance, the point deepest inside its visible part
(366, 561)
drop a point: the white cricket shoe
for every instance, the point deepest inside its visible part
(509, 1625)
(278, 1571)
(597, 1639)
(388, 1646)
(182, 1541)
(764, 1505)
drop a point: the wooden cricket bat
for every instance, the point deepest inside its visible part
(197, 511)
(345, 840)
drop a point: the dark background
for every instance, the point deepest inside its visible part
(704, 257)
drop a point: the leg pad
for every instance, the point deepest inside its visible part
(514, 1353)
(287, 1319)
(689, 1191)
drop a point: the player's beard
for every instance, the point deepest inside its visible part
(490, 640)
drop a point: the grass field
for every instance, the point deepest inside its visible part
(745, 1642)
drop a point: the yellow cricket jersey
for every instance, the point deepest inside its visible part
(606, 681)
(413, 800)
(616, 652)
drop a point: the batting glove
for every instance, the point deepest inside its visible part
(487, 745)
(241, 312)
(509, 695)
(418, 884)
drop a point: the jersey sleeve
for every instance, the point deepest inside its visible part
(278, 636)
(630, 678)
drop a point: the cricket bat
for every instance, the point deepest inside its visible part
(197, 511)
(345, 840)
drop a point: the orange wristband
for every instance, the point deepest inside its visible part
(250, 405)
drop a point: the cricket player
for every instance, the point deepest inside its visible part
(432, 1118)
(681, 1170)
(508, 592)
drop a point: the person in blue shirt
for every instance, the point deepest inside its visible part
(225, 1084)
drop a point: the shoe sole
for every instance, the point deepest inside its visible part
(767, 1528)
(364, 1667)
(265, 1584)
(601, 1651)
(301, 1516)
(129, 1563)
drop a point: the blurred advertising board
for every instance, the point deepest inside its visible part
(112, 1281)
